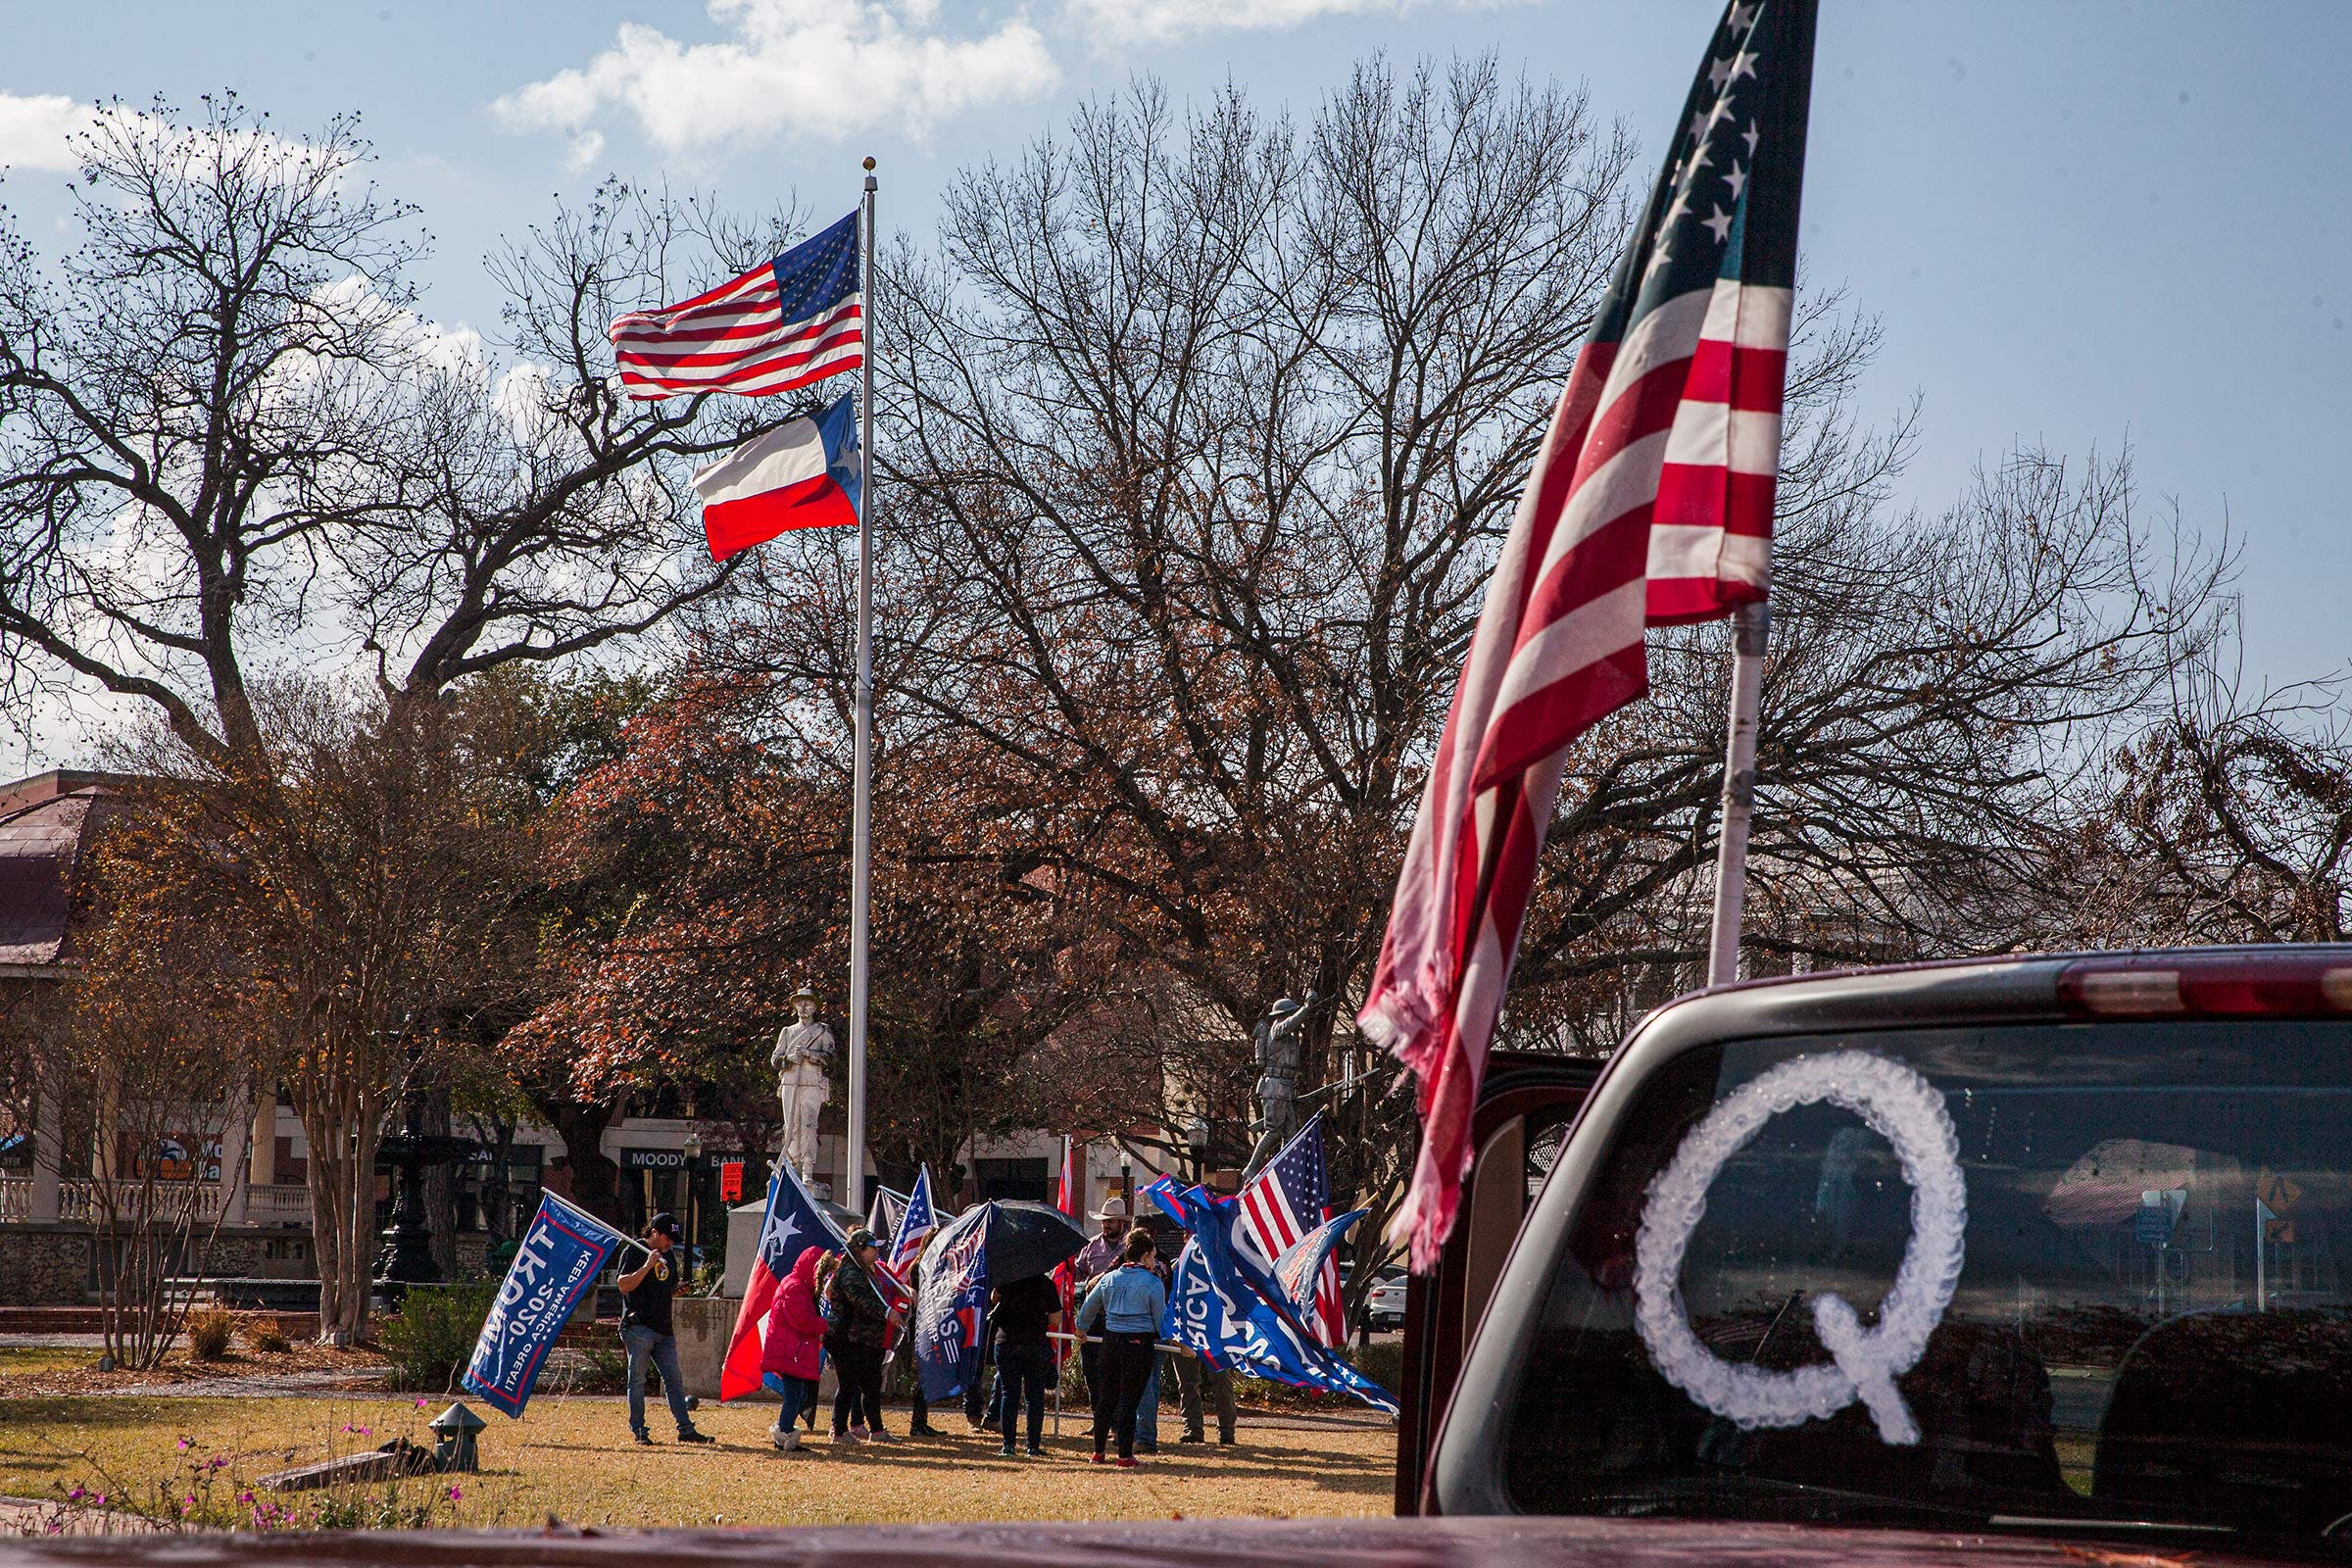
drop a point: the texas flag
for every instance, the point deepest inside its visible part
(792, 1225)
(801, 474)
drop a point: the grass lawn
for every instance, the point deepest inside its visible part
(34, 1360)
(571, 1458)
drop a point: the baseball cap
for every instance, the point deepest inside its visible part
(861, 1236)
(666, 1225)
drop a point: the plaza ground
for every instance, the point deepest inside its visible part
(570, 1458)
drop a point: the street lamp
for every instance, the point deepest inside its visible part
(1127, 1183)
(692, 1148)
(1196, 1135)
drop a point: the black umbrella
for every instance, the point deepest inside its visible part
(1027, 1239)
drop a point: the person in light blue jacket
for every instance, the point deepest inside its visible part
(1129, 1303)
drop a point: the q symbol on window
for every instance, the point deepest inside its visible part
(1900, 1106)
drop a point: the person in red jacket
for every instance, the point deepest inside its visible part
(789, 1351)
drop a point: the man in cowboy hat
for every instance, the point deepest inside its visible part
(1101, 1255)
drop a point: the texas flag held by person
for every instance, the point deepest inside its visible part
(1650, 503)
(790, 1226)
(796, 320)
(801, 474)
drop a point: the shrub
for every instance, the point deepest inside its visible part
(264, 1338)
(600, 1369)
(433, 1334)
(209, 1332)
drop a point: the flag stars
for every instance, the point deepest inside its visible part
(1743, 64)
(1745, 17)
(1737, 178)
(1720, 222)
(1750, 137)
(1719, 73)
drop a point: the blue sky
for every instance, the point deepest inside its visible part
(2086, 222)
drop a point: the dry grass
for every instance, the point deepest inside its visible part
(571, 1458)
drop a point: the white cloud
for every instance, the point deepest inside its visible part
(1110, 24)
(33, 128)
(787, 68)
(35, 131)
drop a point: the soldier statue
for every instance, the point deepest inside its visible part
(1277, 1042)
(804, 1051)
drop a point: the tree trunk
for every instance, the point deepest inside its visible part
(441, 1188)
(595, 1178)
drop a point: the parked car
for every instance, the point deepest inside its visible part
(2016, 1254)
(1385, 1305)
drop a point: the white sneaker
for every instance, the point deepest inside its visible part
(787, 1442)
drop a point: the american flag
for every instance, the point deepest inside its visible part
(797, 320)
(1284, 1202)
(915, 1222)
(1650, 502)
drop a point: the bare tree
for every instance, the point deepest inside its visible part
(233, 454)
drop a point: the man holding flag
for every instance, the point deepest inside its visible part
(649, 1335)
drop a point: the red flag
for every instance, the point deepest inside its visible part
(1651, 500)
(1069, 1196)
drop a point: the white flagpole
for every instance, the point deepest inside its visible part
(1751, 629)
(861, 827)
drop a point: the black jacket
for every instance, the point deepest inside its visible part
(859, 1314)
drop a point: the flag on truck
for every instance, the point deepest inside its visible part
(796, 320)
(556, 1265)
(790, 1226)
(1284, 1203)
(1650, 502)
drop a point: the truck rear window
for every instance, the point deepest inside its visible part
(2151, 1317)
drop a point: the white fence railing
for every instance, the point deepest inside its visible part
(84, 1201)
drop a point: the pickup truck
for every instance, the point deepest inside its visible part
(2040, 1260)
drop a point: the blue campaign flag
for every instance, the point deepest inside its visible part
(955, 1299)
(1299, 1268)
(1235, 1311)
(556, 1265)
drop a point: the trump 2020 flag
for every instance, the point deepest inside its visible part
(953, 1301)
(790, 1226)
(1650, 502)
(1227, 1305)
(801, 474)
(556, 1265)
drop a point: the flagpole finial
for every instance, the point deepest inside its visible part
(869, 166)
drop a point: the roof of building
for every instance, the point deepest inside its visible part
(45, 825)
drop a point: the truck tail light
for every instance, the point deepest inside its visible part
(2279, 982)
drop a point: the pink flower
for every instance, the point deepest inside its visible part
(218, 1461)
(244, 1496)
(455, 1494)
(419, 1404)
(76, 1495)
(99, 1499)
(184, 1445)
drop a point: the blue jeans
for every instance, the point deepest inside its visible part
(661, 1350)
(1021, 1374)
(798, 1394)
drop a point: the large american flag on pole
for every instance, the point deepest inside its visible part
(1650, 502)
(1286, 1200)
(798, 319)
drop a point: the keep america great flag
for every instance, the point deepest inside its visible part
(1650, 503)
